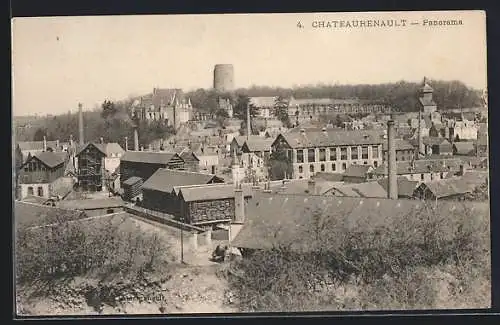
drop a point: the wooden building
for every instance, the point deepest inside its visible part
(158, 190)
(90, 172)
(191, 162)
(144, 164)
(132, 188)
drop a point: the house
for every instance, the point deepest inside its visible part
(208, 158)
(330, 150)
(464, 130)
(274, 220)
(237, 143)
(132, 188)
(191, 161)
(25, 149)
(450, 189)
(303, 186)
(93, 207)
(464, 148)
(95, 161)
(404, 150)
(40, 174)
(158, 190)
(264, 105)
(405, 186)
(357, 174)
(368, 189)
(144, 164)
(423, 170)
(437, 146)
(27, 215)
(210, 204)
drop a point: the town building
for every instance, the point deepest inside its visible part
(370, 189)
(437, 146)
(423, 170)
(330, 150)
(158, 190)
(167, 105)
(455, 188)
(358, 174)
(225, 105)
(426, 102)
(463, 130)
(132, 188)
(144, 164)
(26, 149)
(264, 105)
(464, 148)
(404, 150)
(43, 175)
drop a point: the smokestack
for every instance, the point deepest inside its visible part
(136, 140)
(239, 205)
(126, 143)
(80, 124)
(393, 184)
(101, 139)
(57, 144)
(249, 128)
(44, 143)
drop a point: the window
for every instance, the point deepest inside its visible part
(422, 177)
(375, 152)
(30, 190)
(441, 175)
(364, 152)
(300, 156)
(343, 153)
(26, 168)
(402, 158)
(322, 167)
(354, 153)
(301, 169)
(375, 164)
(365, 162)
(334, 167)
(322, 154)
(311, 168)
(40, 191)
(110, 211)
(311, 155)
(344, 166)
(333, 154)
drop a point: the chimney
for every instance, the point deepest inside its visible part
(302, 131)
(44, 143)
(57, 144)
(101, 140)
(239, 205)
(71, 140)
(126, 143)
(311, 186)
(136, 140)
(80, 124)
(324, 131)
(462, 170)
(392, 167)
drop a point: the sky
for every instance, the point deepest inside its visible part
(61, 61)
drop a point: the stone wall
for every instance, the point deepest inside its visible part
(211, 210)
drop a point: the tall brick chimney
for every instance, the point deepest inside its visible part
(391, 158)
(80, 124)
(44, 143)
(136, 140)
(239, 205)
(126, 143)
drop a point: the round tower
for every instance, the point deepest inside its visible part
(224, 77)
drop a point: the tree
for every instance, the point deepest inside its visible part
(108, 109)
(240, 109)
(39, 134)
(281, 111)
(279, 165)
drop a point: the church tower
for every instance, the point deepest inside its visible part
(427, 104)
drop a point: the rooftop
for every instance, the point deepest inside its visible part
(51, 159)
(357, 170)
(164, 180)
(208, 192)
(258, 144)
(329, 137)
(149, 157)
(30, 215)
(422, 166)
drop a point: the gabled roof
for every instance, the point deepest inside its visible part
(50, 159)
(405, 186)
(366, 189)
(357, 170)
(332, 177)
(435, 141)
(132, 180)
(186, 155)
(149, 157)
(464, 148)
(240, 140)
(263, 102)
(273, 220)
(449, 187)
(110, 148)
(34, 199)
(401, 144)
(260, 144)
(331, 138)
(207, 192)
(30, 214)
(164, 180)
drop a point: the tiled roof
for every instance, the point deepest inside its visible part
(132, 180)
(90, 204)
(258, 144)
(273, 220)
(207, 192)
(422, 166)
(30, 215)
(240, 140)
(186, 155)
(357, 170)
(301, 186)
(149, 157)
(332, 138)
(449, 187)
(464, 148)
(401, 144)
(405, 186)
(366, 189)
(333, 177)
(164, 180)
(51, 159)
(109, 148)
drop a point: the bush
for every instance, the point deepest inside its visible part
(75, 248)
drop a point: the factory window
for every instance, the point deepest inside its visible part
(311, 168)
(30, 190)
(333, 154)
(364, 152)
(375, 152)
(40, 191)
(301, 169)
(375, 164)
(334, 167)
(322, 167)
(344, 166)
(311, 155)
(354, 153)
(343, 153)
(402, 158)
(422, 177)
(322, 154)
(300, 156)
(365, 162)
